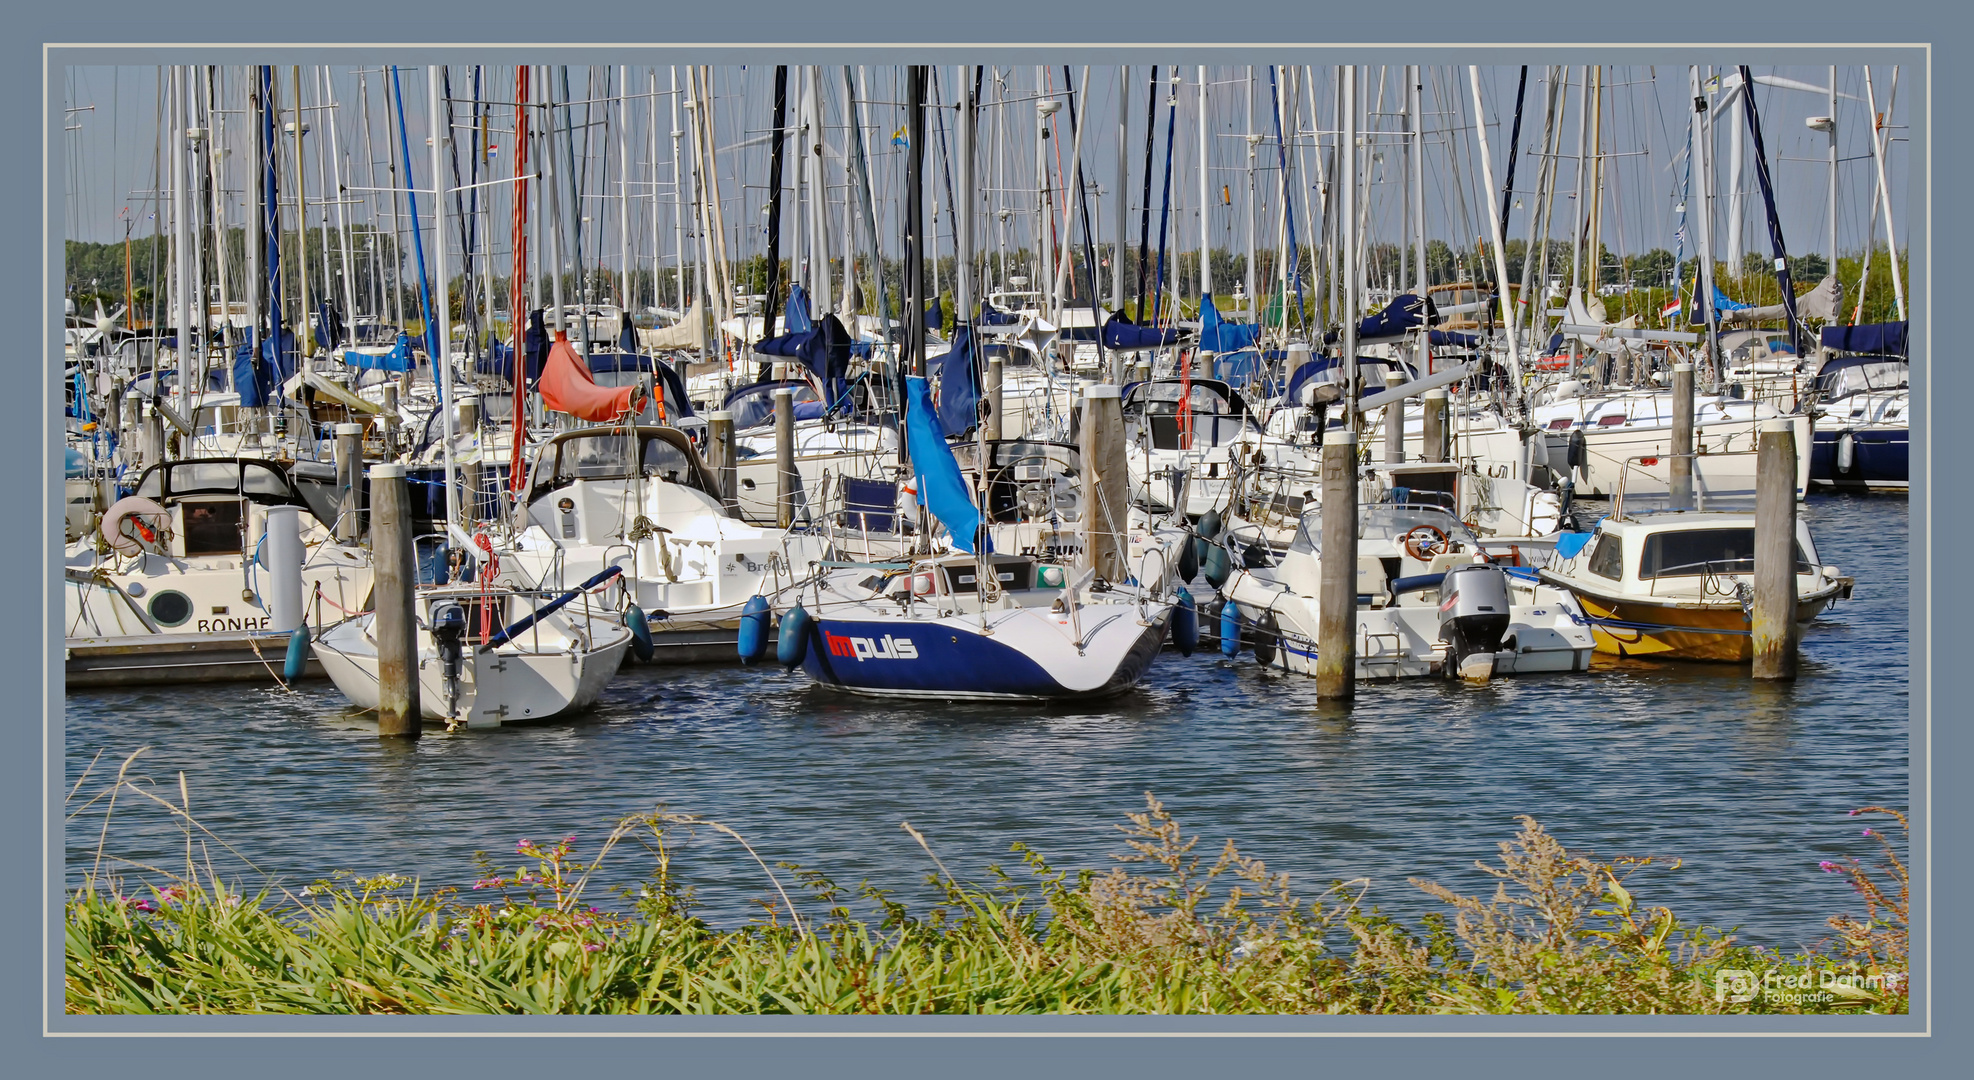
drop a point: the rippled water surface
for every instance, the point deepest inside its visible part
(1748, 784)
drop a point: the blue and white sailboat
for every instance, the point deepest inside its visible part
(973, 624)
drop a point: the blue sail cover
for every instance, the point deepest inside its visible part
(1221, 337)
(795, 314)
(1888, 338)
(329, 331)
(1722, 303)
(1123, 335)
(398, 359)
(823, 348)
(935, 317)
(941, 488)
(1394, 319)
(993, 316)
(627, 335)
(959, 388)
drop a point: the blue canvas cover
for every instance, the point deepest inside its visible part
(398, 359)
(935, 316)
(1888, 338)
(1406, 312)
(993, 316)
(1123, 335)
(1218, 336)
(627, 334)
(823, 348)
(941, 488)
(959, 387)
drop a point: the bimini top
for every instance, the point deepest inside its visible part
(256, 479)
(604, 453)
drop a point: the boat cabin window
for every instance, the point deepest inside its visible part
(1163, 399)
(1856, 376)
(1693, 552)
(1387, 520)
(261, 482)
(1607, 558)
(606, 457)
(212, 526)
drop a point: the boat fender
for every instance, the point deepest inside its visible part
(793, 647)
(1209, 525)
(640, 628)
(297, 662)
(1266, 636)
(1579, 450)
(1189, 558)
(1218, 567)
(1185, 624)
(1846, 452)
(754, 616)
(1230, 629)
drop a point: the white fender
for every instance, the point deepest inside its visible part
(143, 514)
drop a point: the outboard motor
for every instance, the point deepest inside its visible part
(1473, 616)
(449, 634)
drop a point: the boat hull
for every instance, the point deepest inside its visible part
(1718, 633)
(500, 687)
(1880, 459)
(1029, 655)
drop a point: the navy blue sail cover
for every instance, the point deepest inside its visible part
(1889, 337)
(959, 386)
(1123, 335)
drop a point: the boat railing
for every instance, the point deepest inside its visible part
(1702, 495)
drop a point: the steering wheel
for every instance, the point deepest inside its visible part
(1422, 542)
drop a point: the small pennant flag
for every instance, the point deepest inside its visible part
(898, 137)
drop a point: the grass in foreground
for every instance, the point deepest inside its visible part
(1166, 931)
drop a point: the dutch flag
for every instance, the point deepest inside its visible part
(1671, 310)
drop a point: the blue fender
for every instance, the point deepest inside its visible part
(754, 617)
(640, 628)
(1230, 628)
(1185, 624)
(297, 663)
(793, 647)
(1189, 557)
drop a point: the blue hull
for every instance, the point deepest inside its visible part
(949, 661)
(1879, 458)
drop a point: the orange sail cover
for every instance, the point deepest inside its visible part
(567, 386)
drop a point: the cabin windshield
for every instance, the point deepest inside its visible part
(1163, 397)
(606, 457)
(1693, 552)
(1386, 520)
(258, 481)
(1856, 378)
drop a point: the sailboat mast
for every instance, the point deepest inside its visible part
(1703, 285)
(1205, 199)
(1494, 227)
(1884, 190)
(442, 305)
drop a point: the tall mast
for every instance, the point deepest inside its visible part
(1582, 164)
(1205, 198)
(1703, 195)
(1122, 210)
(301, 217)
(1884, 190)
(442, 306)
(1494, 226)
(342, 214)
(181, 248)
(1417, 163)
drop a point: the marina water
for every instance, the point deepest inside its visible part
(1748, 784)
